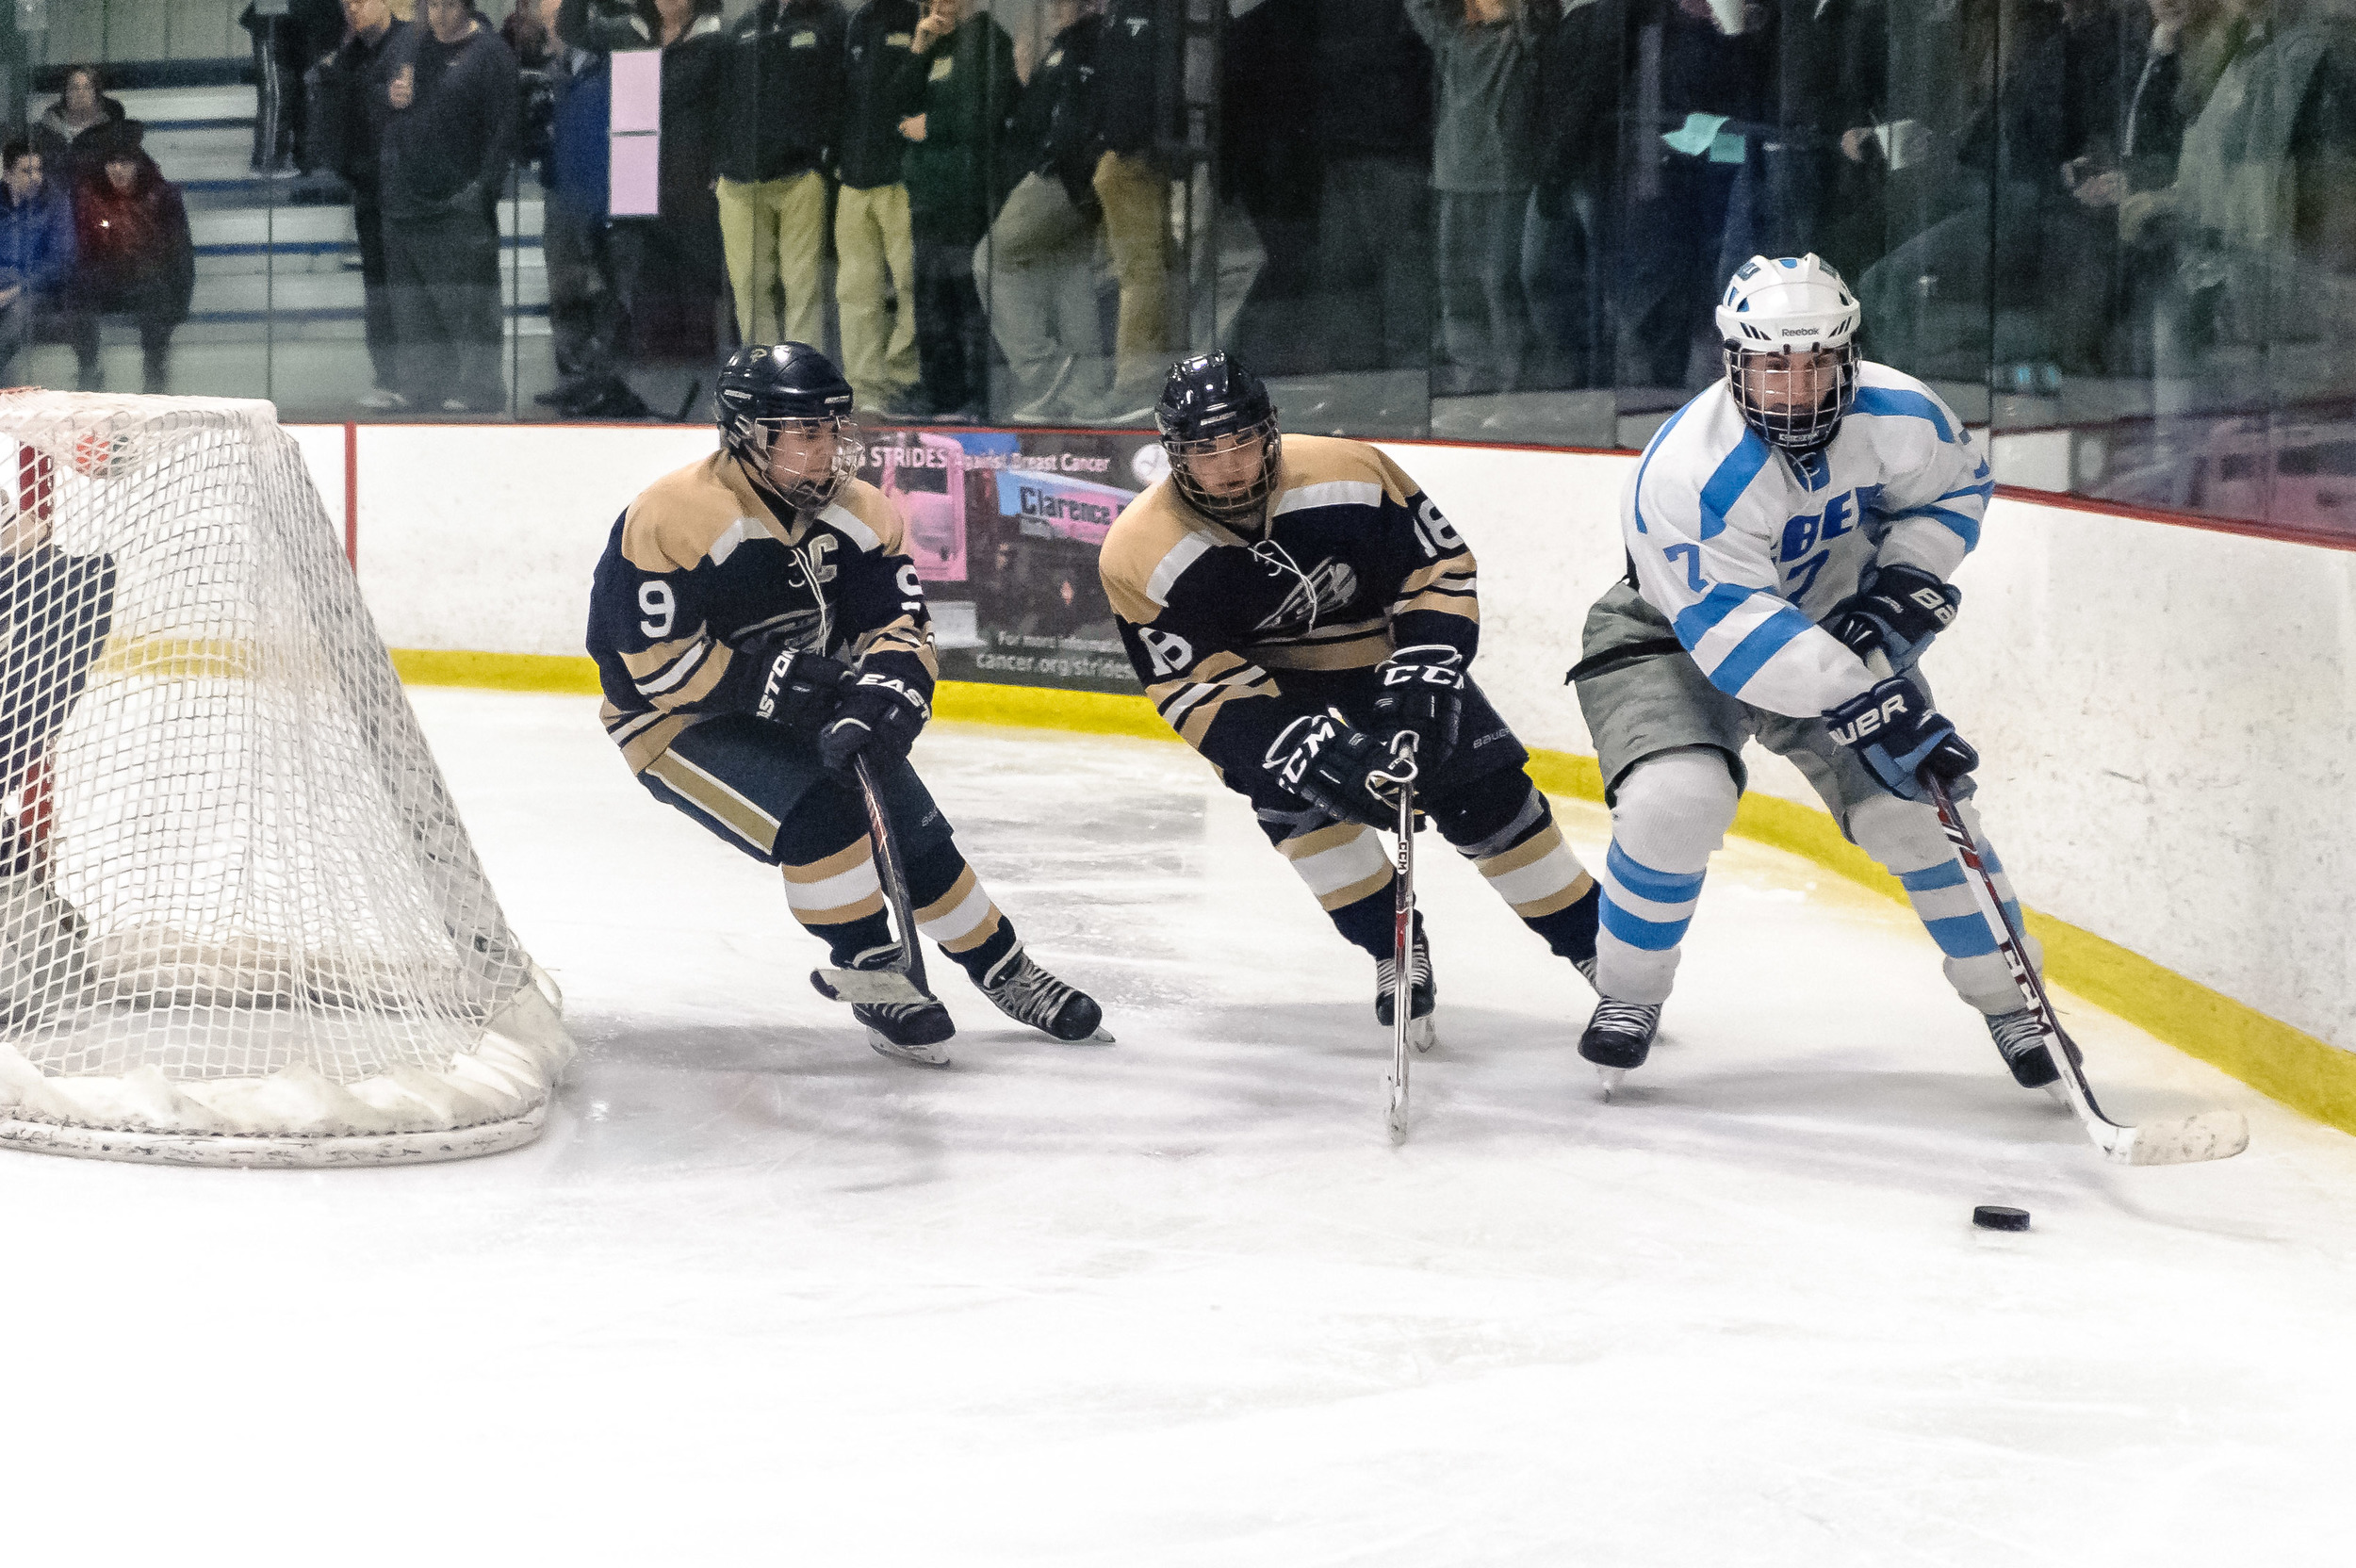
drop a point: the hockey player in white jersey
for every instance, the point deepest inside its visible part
(1801, 516)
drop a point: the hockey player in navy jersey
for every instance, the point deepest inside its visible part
(757, 626)
(1798, 518)
(1294, 604)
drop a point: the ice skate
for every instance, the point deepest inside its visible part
(1424, 996)
(2022, 1045)
(1028, 995)
(1619, 1036)
(906, 1031)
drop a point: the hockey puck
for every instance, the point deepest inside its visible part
(1995, 1216)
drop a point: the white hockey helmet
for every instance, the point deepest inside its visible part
(1789, 326)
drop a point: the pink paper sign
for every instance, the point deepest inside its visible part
(637, 90)
(637, 188)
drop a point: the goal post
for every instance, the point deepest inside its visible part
(240, 920)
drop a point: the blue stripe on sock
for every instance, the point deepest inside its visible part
(1947, 873)
(1653, 936)
(1662, 887)
(1961, 936)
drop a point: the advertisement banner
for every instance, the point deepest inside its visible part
(1004, 527)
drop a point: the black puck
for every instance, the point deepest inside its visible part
(1995, 1216)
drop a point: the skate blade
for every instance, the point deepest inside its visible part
(915, 1055)
(1611, 1076)
(1423, 1032)
(2054, 1092)
(868, 987)
(1102, 1036)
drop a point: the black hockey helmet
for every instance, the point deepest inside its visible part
(1210, 404)
(768, 387)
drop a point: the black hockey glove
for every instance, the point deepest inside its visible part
(1422, 694)
(1328, 761)
(1896, 733)
(1897, 613)
(878, 720)
(799, 691)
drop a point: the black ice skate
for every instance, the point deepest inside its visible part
(1618, 1038)
(1028, 995)
(1423, 996)
(906, 1031)
(2022, 1043)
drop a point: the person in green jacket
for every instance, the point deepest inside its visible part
(957, 93)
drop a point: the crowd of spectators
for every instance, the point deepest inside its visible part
(982, 201)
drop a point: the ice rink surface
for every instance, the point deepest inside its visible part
(761, 1296)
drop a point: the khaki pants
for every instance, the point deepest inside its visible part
(873, 246)
(775, 232)
(1135, 197)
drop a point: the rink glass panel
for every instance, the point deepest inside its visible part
(2142, 259)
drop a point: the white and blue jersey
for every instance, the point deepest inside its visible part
(1745, 549)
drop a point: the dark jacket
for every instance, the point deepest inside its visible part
(1129, 86)
(780, 112)
(61, 148)
(875, 48)
(449, 150)
(1488, 105)
(1371, 78)
(577, 167)
(36, 238)
(132, 250)
(1055, 131)
(350, 110)
(966, 88)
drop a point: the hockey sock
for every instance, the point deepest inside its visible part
(1504, 826)
(1905, 838)
(1669, 814)
(1350, 873)
(830, 881)
(955, 911)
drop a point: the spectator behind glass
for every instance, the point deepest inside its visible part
(1040, 253)
(1564, 239)
(874, 245)
(132, 255)
(669, 267)
(1134, 190)
(954, 93)
(1267, 162)
(454, 99)
(585, 318)
(1813, 178)
(36, 249)
(1370, 77)
(775, 126)
(353, 96)
(81, 113)
(288, 36)
(1483, 164)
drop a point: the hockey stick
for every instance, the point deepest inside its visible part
(903, 982)
(2210, 1135)
(1402, 773)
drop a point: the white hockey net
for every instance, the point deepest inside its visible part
(241, 921)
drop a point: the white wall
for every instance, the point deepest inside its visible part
(2167, 715)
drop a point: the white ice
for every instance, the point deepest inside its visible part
(761, 1296)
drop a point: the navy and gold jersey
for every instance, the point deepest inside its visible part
(699, 564)
(1234, 635)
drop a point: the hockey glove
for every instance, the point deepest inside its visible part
(878, 720)
(1897, 616)
(799, 691)
(1422, 694)
(1896, 733)
(1328, 761)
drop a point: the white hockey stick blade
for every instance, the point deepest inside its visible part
(915, 1055)
(1422, 1033)
(868, 987)
(2210, 1135)
(1396, 1118)
(1611, 1076)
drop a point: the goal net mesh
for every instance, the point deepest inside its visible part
(240, 916)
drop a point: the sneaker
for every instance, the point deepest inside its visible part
(455, 405)
(1619, 1035)
(617, 401)
(566, 392)
(903, 1031)
(1028, 995)
(2020, 1039)
(381, 398)
(1423, 995)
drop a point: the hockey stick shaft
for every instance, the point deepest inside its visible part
(1403, 957)
(895, 886)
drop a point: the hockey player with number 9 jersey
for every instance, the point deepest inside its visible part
(1801, 516)
(759, 630)
(1295, 606)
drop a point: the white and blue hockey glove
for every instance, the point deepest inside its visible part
(1423, 693)
(1897, 613)
(1896, 733)
(878, 720)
